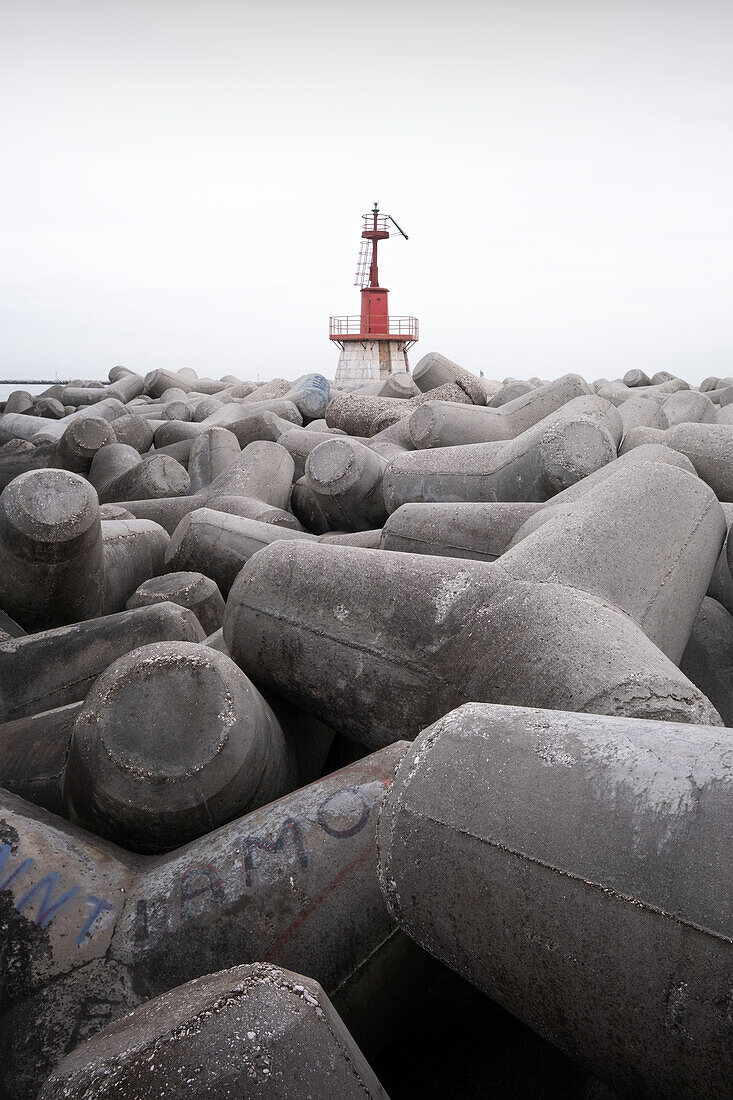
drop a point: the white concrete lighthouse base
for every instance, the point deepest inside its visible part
(363, 361)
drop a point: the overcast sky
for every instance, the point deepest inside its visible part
(183, 182)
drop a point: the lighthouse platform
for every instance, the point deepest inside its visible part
(371, 356)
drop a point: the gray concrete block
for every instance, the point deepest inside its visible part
(156, 476)
(345, 477)
(134, 431)
(51, 553)
(195, 591)
(440, 424)
(173, 741)
(250, 1031)
(133, 552)
(82, 440)
(211, 453)
(413, 636)
(555, 453)
(708, 657)
(435, 370)
(49, 669)
(113, 930)
(587, 862)
(218, 544)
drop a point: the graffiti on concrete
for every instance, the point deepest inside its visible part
(45, 896)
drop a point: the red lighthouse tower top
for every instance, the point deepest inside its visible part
(374, 322)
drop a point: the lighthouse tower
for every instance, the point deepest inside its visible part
(373, 345)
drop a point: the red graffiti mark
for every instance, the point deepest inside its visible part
(362, 857)
(316, 901)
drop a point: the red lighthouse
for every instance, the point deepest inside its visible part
(373, 345)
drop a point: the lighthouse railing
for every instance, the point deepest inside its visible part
(382, 225)
(406, 327)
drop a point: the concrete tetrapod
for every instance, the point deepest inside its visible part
(636, 378)
(110, 463)
(19, 401)
(252, 1031)
(114, 511)
(508, 391)
(180, 451)
(724, 582)
(218, 544)
(368, 540)
(652, 513)
(441, 424)
(399, 384)
(307, 509)
(187, 589)
(413, 636)
(464, 530)
(37, 429)
(555, 453)
(83, 439)
(46, 670)
(211, 453)
(685, 407)
(108, 409)
(204, 407)
(173, 740)
(33, 753)
(25, 426)
(485, 530)
(362, 413)
(275, 389)
(397, 434)
(721, 582)
(263, 471)
(310, 394)
(158, 381)
(156, 477)
(91, 931)
(34, 750)
(49, 407)
(435, 370)
(299, 442)
(245, 421)
(708, 657)
(640, 411)
(18, 456)
(356, 413)
(51, 557)
(345, 477)
(708, 446)
(261, 425)
(261, 476)
(134, 550)
(9, 628)
(589, 862)
(134, 431)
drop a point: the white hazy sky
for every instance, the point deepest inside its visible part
(183, 182)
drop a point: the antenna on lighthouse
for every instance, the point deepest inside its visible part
(398, 227)
(375, 228)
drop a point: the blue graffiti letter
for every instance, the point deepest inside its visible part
(4, 853)
(100, 905)
(46, 909)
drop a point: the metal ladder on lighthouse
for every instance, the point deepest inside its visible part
(363, 264)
